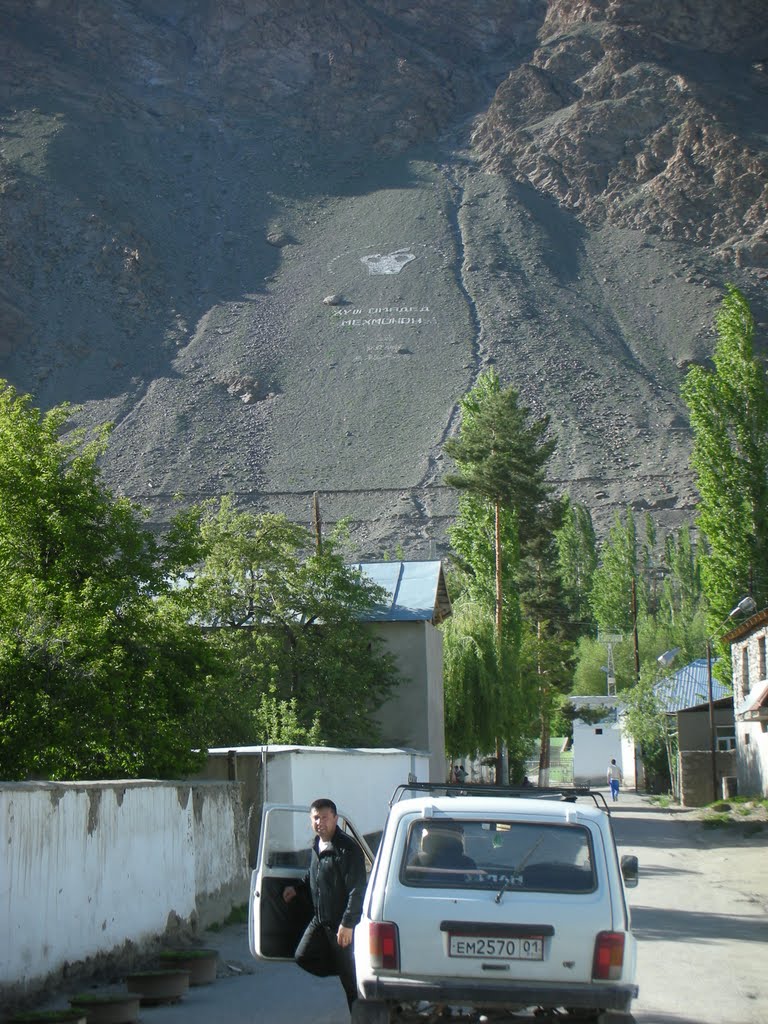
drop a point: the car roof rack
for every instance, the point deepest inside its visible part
(560, 793)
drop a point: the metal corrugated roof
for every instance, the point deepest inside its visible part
(688, 687)
(416, 591)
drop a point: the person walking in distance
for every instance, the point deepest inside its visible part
(335, 882)
(615, 778)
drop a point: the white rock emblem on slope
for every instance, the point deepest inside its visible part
(387, 263)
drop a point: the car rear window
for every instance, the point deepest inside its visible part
(498, 855)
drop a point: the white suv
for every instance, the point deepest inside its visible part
(476, 898)
(485, 900)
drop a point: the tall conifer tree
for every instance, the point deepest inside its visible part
(501, 456)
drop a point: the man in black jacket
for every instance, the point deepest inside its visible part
(336, 882)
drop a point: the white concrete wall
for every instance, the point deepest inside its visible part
(628, 762)
(751, 759)
(87, 867)
(359, 780)
(435, 704)
(413, 714)
(595, 743)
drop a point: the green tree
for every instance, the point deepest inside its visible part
(287, 620)
(682, 592)
(670, 604)
(645, 720)
(501, 458)
(550, 631)
(94, 680)
(577, 558)
(475, 695)
(728, 407)
(615, 577)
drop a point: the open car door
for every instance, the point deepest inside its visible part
(274, 926)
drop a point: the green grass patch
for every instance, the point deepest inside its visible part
(237, 915)
(661, 800)
(716, 821)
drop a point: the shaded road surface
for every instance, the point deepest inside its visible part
(699, 913)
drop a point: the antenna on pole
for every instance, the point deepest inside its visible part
(609, 640)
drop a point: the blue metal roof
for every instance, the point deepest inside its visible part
(416, 591)
(688, 688)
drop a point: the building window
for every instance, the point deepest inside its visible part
(726, 737)
(598, 732)
(745, 670)
(761, 655)
(746, 739)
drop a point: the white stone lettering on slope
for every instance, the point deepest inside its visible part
(383, 321)
(376, 310)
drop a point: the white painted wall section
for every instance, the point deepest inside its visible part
(359, 781)
(595, 743)
(86, 867)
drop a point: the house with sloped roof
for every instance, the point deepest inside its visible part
(704, 752)
(750, 698)
(416, 602)
(598, 736)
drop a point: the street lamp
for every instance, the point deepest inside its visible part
(744, 607)
(666, 659)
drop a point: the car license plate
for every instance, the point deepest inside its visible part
(496, 948)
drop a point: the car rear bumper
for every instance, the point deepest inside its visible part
(464, 992)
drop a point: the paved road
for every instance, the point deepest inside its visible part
(699, 914)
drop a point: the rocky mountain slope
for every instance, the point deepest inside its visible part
(274, 241)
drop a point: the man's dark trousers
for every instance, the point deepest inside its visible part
(319, 953)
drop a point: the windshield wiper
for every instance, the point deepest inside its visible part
(519, 868)
(507, 885)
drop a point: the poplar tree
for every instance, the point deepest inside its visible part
(577, 558)
(728, 406)
(613, 580)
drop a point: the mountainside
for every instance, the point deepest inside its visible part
(274, 241)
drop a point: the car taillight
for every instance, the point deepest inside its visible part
(609, 956)
(384, 945)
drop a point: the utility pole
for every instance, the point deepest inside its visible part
(317, 523)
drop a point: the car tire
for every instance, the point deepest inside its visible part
(369, 1011)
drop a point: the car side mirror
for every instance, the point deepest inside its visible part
(629, 870)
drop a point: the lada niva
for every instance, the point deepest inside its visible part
(489, 901)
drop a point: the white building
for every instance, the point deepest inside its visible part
(597, 739)
(750, 699)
